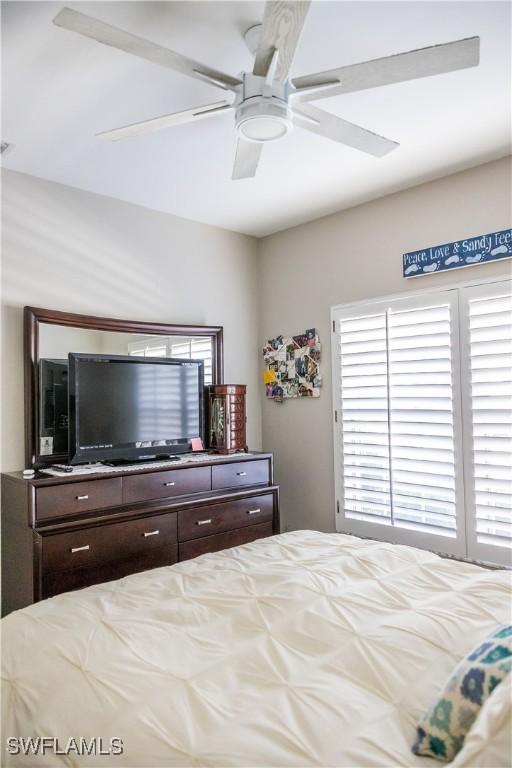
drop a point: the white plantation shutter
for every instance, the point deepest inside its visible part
(486, 313)
(422, 418)
(187, 349)
(195, 349)
(155, 352)
(363, 389)
(398, 421)
(149, 349)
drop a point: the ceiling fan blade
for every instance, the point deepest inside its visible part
(332, 127)
(282, 26)
(166, 121)
(246, 159)
(138, 46)
(412, 65)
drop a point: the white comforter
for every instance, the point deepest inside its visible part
(305, 649)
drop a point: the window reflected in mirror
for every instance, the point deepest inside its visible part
(182, 347)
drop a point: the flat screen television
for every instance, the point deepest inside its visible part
(133, 408)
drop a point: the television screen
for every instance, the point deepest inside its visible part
(124, 408)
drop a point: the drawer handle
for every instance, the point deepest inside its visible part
(169, 485)
(204, 522)
(241, 474)
(151, 533)
(253, 511)
(79, 549)
(82, 498)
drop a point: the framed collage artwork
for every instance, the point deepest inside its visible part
(293, 366)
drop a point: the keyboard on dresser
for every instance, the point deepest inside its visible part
(64, 533)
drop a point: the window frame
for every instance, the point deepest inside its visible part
(455, 545)
(463, 545)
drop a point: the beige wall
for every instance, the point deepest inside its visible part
(350, 256)
(57, 340)
(72, 250)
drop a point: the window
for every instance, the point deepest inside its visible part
(420, 459)
(185, 349)
(147, 350)
(149, 346)
(195, 349)
(486, 313)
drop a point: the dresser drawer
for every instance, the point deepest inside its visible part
(240, 473)
(73, 498)
(56, 582)
(214, 518)
(196, 547)
(161, 485)
(103, 544)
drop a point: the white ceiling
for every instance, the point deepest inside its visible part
(59, 89)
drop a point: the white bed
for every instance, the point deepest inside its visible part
(305, 649)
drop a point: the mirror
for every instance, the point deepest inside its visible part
(51, 336)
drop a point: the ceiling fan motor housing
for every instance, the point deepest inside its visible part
(263, 113)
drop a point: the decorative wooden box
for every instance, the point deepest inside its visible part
(226, 418)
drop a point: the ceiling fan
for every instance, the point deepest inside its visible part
(266, 103)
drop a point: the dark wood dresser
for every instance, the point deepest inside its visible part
(67, 532)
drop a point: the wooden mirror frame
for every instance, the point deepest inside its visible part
(33, 316)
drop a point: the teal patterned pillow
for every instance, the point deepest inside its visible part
(442, 730)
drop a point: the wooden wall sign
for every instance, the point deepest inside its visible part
(462, 253)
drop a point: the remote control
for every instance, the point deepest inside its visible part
(62, 469)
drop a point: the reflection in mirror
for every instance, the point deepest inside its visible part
(57, 341)
(53, 416)
(183, 347)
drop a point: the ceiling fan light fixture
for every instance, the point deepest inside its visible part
(261, 96)
(263, 129)
(262, 119)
